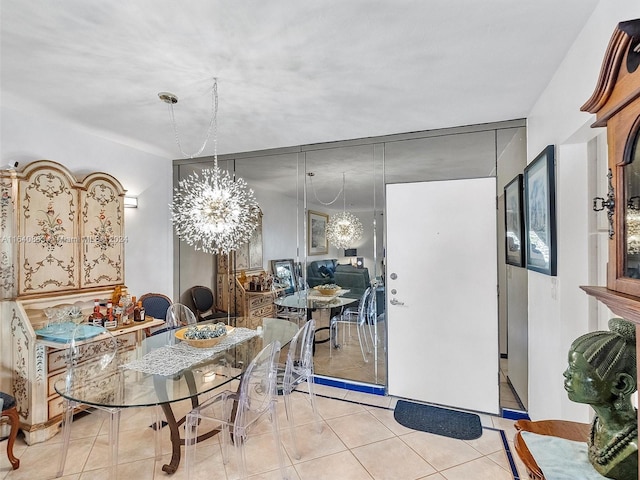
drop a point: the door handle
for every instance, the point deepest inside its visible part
(394, 301)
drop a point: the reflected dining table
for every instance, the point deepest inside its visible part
(311, 300)
(160, 375)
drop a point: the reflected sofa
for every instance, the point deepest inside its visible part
(356, 280)
(320, 272)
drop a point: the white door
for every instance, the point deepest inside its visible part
(442, 293)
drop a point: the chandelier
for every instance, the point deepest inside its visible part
(212, 211)
(343, 229)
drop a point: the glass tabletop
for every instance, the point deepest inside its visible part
(125, 386)
(312, 300)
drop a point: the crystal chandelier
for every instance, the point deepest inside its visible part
(343, 229)
(211, 211)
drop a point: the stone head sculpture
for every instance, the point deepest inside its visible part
(602, 373)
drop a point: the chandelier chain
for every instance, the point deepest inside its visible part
(212, 123)
(326, 204)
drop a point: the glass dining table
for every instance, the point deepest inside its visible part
(161, 375)
(312, 300)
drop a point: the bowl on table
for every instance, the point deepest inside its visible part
(327, 289)
(202, 336)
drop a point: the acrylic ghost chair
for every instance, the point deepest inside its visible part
(299, 369)
(176, 316)
(255, 398)
(94, 372)
(363, 319)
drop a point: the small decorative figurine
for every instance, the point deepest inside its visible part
(602, 373)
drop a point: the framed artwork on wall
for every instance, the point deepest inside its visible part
(514, 222)
(540, 213)
(318, 243)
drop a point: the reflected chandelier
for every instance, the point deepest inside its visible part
(343, 229)
(211, 211)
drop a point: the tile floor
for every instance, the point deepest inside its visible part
(359, 439)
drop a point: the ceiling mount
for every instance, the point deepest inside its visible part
(168, 97)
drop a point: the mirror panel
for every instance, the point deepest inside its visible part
(632, 211)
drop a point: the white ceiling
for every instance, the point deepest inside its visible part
(289, 72)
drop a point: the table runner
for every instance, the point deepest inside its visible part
(171, 359)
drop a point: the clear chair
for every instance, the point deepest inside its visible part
(363, 319)
(299, 369)
(256, 397)
(296, 315)
(95, 371)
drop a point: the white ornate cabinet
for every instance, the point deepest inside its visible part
(61, 242)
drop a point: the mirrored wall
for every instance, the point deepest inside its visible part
(300, 189)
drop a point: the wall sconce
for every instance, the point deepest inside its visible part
(130, 202)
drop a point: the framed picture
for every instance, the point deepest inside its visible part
(513, 222)
(540, 213)
(285, 274)
(317, 233)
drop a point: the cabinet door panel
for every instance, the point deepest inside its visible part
(102, 228)
(48, 239)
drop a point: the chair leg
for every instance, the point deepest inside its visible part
(12, 413)
(66, 434)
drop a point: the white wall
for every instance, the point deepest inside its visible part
(149, 250)
(558, 309)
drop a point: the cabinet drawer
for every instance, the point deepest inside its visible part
(57, 358)
(256, 301)
(266, 311)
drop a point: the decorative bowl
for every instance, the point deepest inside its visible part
(328, 289)
(205, 342)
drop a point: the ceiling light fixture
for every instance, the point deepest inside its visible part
(343, 229)
(211, 211)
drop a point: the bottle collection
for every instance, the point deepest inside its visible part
(121, 310)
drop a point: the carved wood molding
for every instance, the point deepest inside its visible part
(627, 306)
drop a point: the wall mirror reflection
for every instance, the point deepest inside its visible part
(336, 179)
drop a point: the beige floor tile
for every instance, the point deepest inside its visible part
(313, 444)
(480, 469)
(441, 452)
(392, 459)
(341, 465)
(359, 429)
(489, 442)
(376, 439)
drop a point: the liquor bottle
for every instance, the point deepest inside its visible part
(96, 317)
(119, 314)
(136, 312)
(110, 321)
(143, 312)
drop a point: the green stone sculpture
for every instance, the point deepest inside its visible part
(602, 373)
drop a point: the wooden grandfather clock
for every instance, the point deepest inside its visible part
(616, 103)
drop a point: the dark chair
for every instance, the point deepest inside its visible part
(155, 304)
(9, 410)
(204, 303)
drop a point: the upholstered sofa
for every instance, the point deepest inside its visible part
(356, 280)
(320, 272)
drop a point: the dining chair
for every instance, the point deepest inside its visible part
(9, 410)
(299, 369)
(363, 319)
(255, 398)
(296, 315)
(92, 367)
(204, 303)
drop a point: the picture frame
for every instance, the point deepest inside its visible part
(514, 222)
(285, 274)
(317, 241)
(540, 212)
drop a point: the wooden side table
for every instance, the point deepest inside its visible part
(578, 432)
